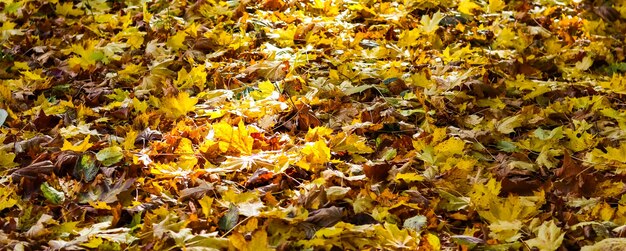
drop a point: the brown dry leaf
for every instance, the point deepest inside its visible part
(325, 217)
(32, 145)
(608, 13)
(377, 172)
(34, 170)
(574, 179)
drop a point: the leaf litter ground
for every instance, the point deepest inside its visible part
(317, 125)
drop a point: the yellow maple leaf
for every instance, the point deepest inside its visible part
(317, 133)
(509, 124)
(617, 84)
(392, 237)
(615, 155)
(129, 140)
(284, 37)
(193, 28)
(506, 216)
(130, 70)
(449, 147)
(134, 37)
(604, 211)
(186, 158)
(84, 146)
(433, 241)
(20, 66)
(6, 159)
(99, 205)
(495, 6)
(140, 106)
(349, 143)
(314, 154)
(266, 89)
(7, 30)
(195, 77)
(8, 197)
(67, 9)
(505, 38)
(175, 107)
(171, 169)
(87, 56)
(409, 177)
(438, 133)
(468, 7)
(33, 76)
(258, 242)
(512, 208)
(579, 141)
(409, 38)
(482, 194)
(176, 42)
(234, 139)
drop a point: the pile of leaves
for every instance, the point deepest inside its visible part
(312, 124)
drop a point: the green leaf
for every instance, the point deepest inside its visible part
(230, 218)
(617, 67)
(451, 202)
(556, 133)
(507, 146)
(465, 240)
(356, 89)
(51, 194)
(110, 155)
(86, 169)
(416, 223)
(389, 154)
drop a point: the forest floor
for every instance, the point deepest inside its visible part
(312, 125)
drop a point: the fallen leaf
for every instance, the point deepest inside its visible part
(229, 219)
(325, 217)
(82, 147)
